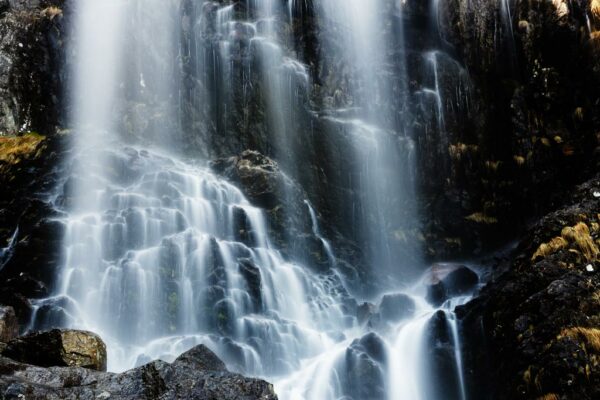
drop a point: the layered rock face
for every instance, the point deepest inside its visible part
(32, 66)
(533, 331)
(532, 123)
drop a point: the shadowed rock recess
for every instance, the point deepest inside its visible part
(310, 199)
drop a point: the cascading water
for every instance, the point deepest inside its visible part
(383, 149)
(174, 257)
(161, 254)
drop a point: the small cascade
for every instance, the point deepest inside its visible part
(238, 60)
(432, 58)
(6, 252)
(507, 35)
(174, 257)
(317, 232)
(406, 349)
(446, 97)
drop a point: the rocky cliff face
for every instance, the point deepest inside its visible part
(32, 66)
(535, 121)
(538, 322)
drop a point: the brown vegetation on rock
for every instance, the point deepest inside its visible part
(14, 148)
(578, 237)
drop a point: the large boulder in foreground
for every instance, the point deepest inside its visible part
(59, 348)
(197, 374)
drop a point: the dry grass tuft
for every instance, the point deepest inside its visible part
(549, 396)
(591, 336)
(481, 218)
(595, 41)
(457, 151)
(520, 160)
(580, 236)
(52, 12)
(595, 9)
(549, 248)
(562, 9)
(14, 148)
(492, 165)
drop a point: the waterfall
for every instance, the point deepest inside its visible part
(382, 145)
(161, 254)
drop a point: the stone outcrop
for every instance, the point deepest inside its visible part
(263, 182)
(29, 235)
(32, 65)
(532, 125)
(59, 348)
(534, 331)
(447, 280)
(197, 374)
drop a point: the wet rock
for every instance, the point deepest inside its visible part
(365, 311)
(364, 377)
(441, 358)
(394, 307)
(259, 176)
(266, 185)
(450, 281)
(9, 326)
(59, 348)
(251, 274)
(196, 374)
(540, 316)
(31, 54)
(200, 357)
(18, 302)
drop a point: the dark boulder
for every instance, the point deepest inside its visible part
(197, 374)
(449, 281)
(533, 331)
(201, 358)
(259, 176)
(440, 358)
(363, 375)
(59, 348)
(397, 306)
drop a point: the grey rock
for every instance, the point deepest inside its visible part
(197, 374)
